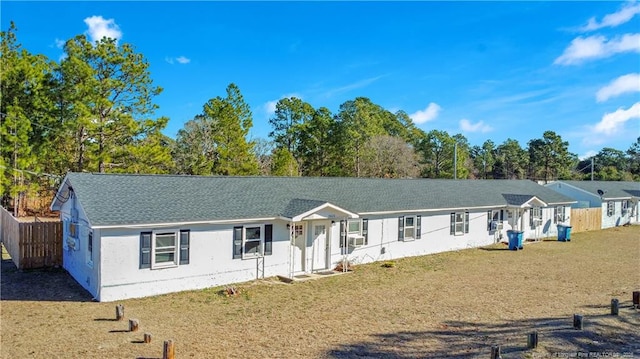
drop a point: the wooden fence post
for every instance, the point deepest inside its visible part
(614, 306)
(169, 350)
(532, 340)
(119, 312)
(636, 299)
(495, 352)
(577, 322)
(147, 337)
(133, 325)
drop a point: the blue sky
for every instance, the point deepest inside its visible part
(487, 70)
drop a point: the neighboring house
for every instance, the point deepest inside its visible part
(618, 200)
(131, 236)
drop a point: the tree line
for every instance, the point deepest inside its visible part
(93, 111)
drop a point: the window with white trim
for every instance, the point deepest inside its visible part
(354, 231)
(90, 248)
(625, 207)
(252, 241)
(611, 206)
(354, 227)
(559, 214)
(494, 220)
(164, 248)
(459, 223)
(535, 217)
(409, 227)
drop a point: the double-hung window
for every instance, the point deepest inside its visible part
(625, 207)
(459, 223)
(611, 206)
(409, 228)
(354, 232)
(164, 248)
(494, 220)
(535, 217)
(559, 214)
(252, 241)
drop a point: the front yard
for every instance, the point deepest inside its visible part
(454, 304)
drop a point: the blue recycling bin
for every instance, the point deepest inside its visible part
(515, 240)
(564, 233)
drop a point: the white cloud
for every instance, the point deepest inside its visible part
(59, 43)
(619, 86)
(270, 106)
(468, 126)
(613, 122)
(426, 115)
(625, 14)
(183, 60)
(587, 154)
(596, 47)
(180, 59)
(100, 27)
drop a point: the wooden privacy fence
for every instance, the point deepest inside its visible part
(31, 244)
(586, 219)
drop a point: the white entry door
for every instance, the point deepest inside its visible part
(299, 248)
(320, 246)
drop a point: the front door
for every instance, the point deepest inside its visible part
(320, 246)
(299, 248)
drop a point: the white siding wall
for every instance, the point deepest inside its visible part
(435, 237)
(211, 262)
(211, 253)
(547, 227)
(76, 261)
(617, 219)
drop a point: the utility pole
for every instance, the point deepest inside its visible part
(455, 160)
(592, 168)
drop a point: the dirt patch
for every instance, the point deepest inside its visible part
(455, 304)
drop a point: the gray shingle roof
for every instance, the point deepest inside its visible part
(516, 199)
(116, 199)
(612, 189)
(298, 206)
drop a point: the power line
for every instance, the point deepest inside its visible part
(41, 174)
(4, 115)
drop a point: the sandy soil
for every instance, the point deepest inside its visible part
(455, 304)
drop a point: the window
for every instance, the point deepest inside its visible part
(494, 220)
(610, 208)
(162, 249)
(535, 217)
(409, 228)
(90, 248)
(459, 223)
(354, 228)
(165, 250)
(559, 215)
(625, 207)
(252, 241)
